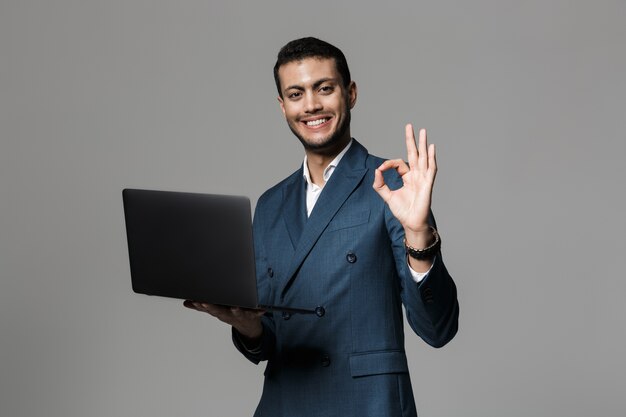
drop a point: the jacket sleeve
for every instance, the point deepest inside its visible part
(264, 348)
(432, 308)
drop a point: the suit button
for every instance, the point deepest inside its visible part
(270, 272)
(286, 315)
(325, 361)
(320, 311)
(351, 257)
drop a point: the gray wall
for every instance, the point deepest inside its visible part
(525, 101)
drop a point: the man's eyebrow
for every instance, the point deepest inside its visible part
(315, 85)
(294, 87)
(322, 81)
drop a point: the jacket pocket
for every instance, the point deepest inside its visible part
(349, 220)
(381, 362)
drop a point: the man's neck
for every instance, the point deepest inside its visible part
(317, 161)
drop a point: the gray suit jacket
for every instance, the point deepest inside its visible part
(348, 257)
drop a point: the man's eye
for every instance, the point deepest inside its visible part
(294, 95)
(326, 89)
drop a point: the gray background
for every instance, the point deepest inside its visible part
(525, 101)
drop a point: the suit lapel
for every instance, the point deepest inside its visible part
(347, 176)
(294, 207)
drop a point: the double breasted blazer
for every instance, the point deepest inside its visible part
(349, 258)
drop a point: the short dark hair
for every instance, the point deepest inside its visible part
(309, 47)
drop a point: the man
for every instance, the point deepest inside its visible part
(352, 233)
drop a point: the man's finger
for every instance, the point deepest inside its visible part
(188, 304)
(253, 311)
(193, 305)
(411, 148)
(380, 187)
(422, 147)
(432, 159)
(397, 164)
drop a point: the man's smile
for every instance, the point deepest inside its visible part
(316, 123)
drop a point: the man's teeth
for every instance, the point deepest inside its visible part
(316, 122)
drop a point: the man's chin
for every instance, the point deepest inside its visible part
(320, 145)
(314, 143)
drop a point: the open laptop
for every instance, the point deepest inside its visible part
(194, 247)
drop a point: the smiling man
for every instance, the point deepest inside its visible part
(316, 104)
(354, 233)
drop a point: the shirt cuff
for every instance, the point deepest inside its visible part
(419, 276)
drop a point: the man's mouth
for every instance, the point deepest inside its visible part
(316, 122)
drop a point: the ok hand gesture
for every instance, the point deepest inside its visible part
(410, 204)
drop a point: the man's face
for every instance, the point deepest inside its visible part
(315, 103)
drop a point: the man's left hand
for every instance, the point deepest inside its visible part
(410, 204)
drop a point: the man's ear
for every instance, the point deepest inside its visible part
(352, 93)
(282, 105)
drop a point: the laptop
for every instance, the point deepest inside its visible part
(194, 247)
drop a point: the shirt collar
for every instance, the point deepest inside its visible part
(328, 171)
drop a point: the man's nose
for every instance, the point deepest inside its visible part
(312, 104)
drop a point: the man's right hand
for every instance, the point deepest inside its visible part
(246, 321)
